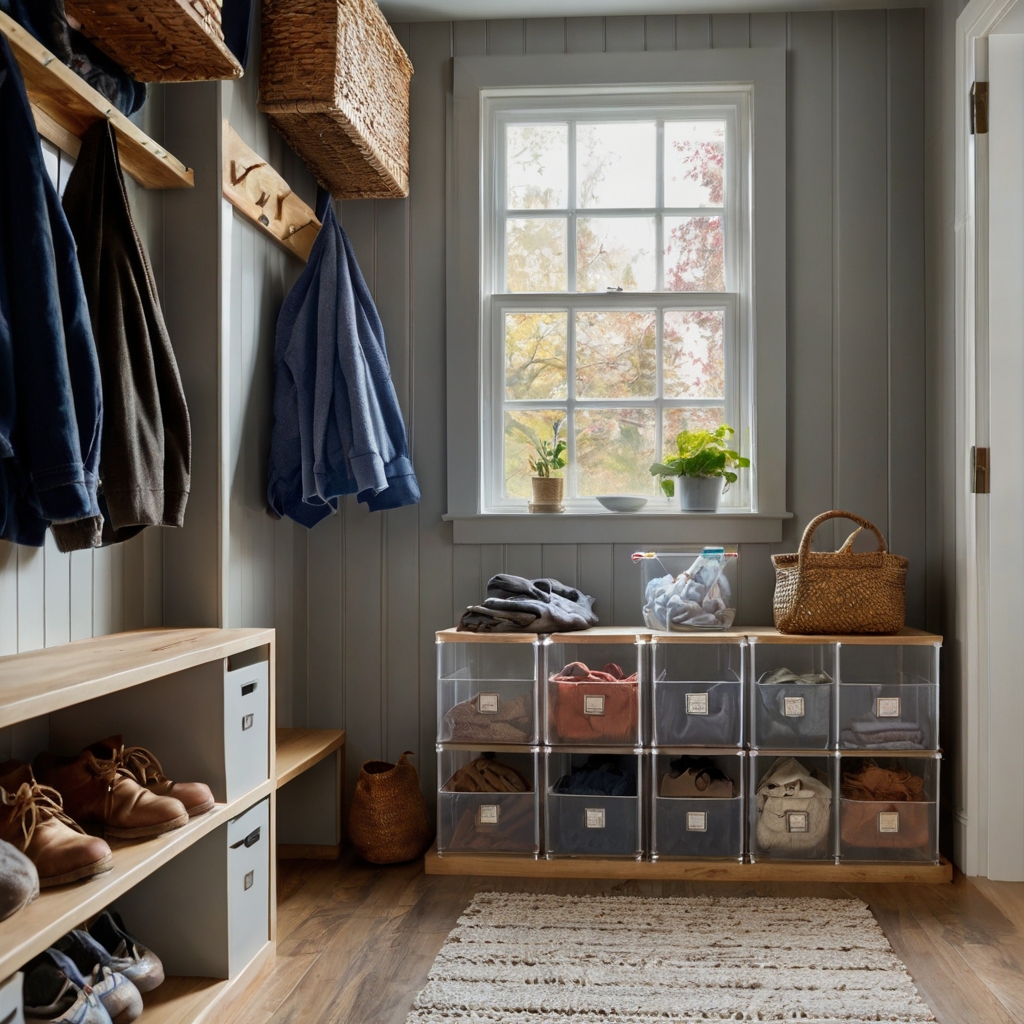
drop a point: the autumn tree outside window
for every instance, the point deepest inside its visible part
(616, 246)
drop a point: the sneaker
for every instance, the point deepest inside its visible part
(101, 789)
(138, 964)
(54, 990)
(120, 998)
(196, 797)
(19, 880)
(32, 819)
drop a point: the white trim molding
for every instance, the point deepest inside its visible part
(759, 74)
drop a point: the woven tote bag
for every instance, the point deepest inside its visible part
(388, 822)
(839, 592)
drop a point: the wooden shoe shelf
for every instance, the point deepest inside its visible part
(173, 691)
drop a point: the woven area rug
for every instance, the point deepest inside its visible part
(520, 958)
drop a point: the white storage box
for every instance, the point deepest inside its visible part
(246, 722)
(248, 885)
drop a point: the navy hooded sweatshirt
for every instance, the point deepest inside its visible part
(50, 398)
(338, 428)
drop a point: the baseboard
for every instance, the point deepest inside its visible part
(307, 851)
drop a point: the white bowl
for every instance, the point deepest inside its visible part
(622, 502)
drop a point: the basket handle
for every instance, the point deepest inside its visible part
(863, 524)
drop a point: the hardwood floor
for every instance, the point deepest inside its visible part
(355, 942)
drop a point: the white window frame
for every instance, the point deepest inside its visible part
(759, 75)
(501, 107)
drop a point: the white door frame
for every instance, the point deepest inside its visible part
(989, 803)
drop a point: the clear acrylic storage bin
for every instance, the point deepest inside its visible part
(487, 688)
(792, 692)
(593, 803)
(889, 808)
(791, 806)
(488, 802)
(688, 590)
(697, 691)
(594, 682)
(697, 804)
(888, 696)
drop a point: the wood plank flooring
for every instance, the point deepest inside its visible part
(355, 942)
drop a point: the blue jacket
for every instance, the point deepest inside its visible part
(337, 425)
(50, 399)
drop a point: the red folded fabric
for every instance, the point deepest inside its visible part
(617, 721)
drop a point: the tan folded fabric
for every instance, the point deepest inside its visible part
(485, 775)
(695, 782)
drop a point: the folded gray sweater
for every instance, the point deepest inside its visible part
(517, 605)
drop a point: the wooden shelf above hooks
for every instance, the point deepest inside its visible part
(259, 193)
(65, 107)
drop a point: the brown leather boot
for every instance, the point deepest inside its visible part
(32, 819)
(143, 766)
(102, 790)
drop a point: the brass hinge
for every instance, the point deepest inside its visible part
(980, 483)
(979, 108)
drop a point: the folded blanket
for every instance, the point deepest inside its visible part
(884, 736)
(600, 775)
(512, 723)
(517, 605)
(873, 782)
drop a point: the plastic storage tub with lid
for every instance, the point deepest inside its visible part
(688, 590)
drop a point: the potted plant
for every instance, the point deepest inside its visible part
(704, 465)
(549, 458)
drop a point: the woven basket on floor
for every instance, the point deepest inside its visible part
(160, 40)
(839, 592)
(388, 822)
(335, 82)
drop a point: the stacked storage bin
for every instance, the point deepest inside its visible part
(595, 686)
(698, 761)
(488, 728)
(844, 763)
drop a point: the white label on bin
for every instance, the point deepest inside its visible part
(793, 707)
(487, 703)
(593, 704)
(696, 821)
(489, 814)
(797, 821)
(888, 821)
(595, 817)
(887, 707)
(696, 703)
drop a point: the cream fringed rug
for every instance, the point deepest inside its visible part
(519, 958)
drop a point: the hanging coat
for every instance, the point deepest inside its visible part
(146, 446)
(338, 428)
(50, 399)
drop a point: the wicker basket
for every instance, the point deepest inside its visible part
(335, 82)
(840, 592)
(388, 822)
(160, 40)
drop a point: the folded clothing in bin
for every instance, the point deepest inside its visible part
(874, 790)
(600, 775)
(486, 775)
(507, 826)
(512, 723)
(875, 735)
(695, 777)
(813, 717)
(793, 810)
(579, 716)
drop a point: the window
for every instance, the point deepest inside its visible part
(618, 249)
(615, 266)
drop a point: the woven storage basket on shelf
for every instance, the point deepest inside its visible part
(335, 82)
(388, 822)
(160, 40)
(840, 592)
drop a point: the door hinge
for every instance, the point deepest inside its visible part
(980, 483)
(979, 108)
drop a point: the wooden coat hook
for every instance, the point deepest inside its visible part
(258, 192)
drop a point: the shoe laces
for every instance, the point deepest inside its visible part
(31, 804)
(141, 764)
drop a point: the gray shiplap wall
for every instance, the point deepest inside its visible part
(379, 585)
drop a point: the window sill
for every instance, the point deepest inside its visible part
(643, 529)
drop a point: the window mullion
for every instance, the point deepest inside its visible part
(659, 213)
(570, 228)
(570, 404)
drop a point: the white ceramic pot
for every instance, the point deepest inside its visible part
(699, 493)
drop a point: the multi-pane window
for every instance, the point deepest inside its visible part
(617, 245)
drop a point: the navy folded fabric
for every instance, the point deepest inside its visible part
(601, 775)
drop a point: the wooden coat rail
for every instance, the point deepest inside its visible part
(65, 106)
(258, 192)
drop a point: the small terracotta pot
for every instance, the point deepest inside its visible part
(547, 494)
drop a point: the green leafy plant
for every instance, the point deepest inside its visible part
(550, 455)
(701, 453)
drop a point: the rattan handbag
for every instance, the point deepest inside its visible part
(388, 822)
(838, 592)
